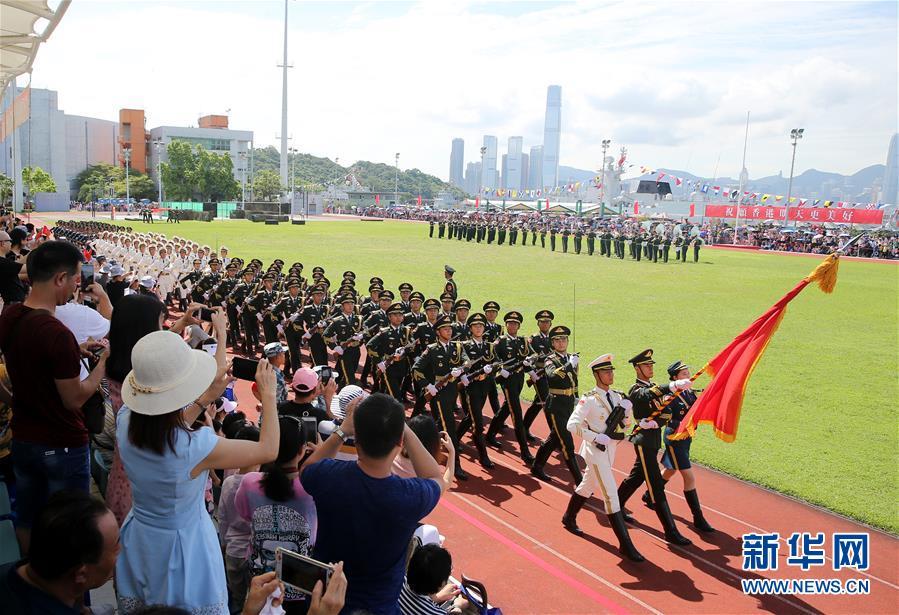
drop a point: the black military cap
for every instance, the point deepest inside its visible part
(256, 261)
(386, 294)
(448, 269)
(395, 308)
(491, 306)
(544, 315)
(443, 321)
(374, 287)
(349, 282)
(232, 267)
(676, 367)
(325, 281)
(644, 358)
(405, 286)
(432, 304)
(476, 319)
(278, 261)
(214, 261)
(417, 296)
(297, 265)
(318, 288)
(376, 280)
(513, 316)
(269, 276)
(248, 270)
(349, 274)
(446, 297)
(347, 298)
(293, 284)
(318, 269)
(603, 361)
(462, 304)
(559, 331)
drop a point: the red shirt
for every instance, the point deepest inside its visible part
(44, 352)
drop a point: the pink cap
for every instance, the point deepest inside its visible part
(304, 380)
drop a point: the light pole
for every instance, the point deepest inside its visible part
(158, 143)
(795, 135)
(243, 178)
(602, 177)
(396, 181)
(127, 154)
(481, 180)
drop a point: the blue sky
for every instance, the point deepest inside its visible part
(671, 81)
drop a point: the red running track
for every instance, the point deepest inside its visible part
(504, 528)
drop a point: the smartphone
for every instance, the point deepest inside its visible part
(299, 572)
(87, 275)
(210, 346)
(309, 429)
(244, 369)
(205, 315)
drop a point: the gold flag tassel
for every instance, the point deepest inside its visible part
(825, 274)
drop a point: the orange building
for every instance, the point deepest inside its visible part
(214, 121)
(133, 135)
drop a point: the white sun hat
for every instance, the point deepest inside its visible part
(167, 375)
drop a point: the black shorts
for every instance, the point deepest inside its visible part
(676, 455)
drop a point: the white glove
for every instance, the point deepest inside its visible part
(573, 360)
(464, 380)
(294, 317)
(527, 362)
(681, 385)
(456, 372)
(648, 424)
(240, 309)
(399, 352)
(602, 439)
(224, 304)
(280, 329)
(259, 317)
(338, 350)
(503, 373)
(488, 369)
(626, 404)
(382, 366)
(307, 335)
(431, 389)
(358, 337)
(321, 324)
(534, 375)
(206, 296)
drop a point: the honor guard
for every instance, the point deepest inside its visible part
(373, 320)
(438, 369)
(481, 359)
(561, 371)
(441, 228)
(287, 312)
(491, 232)
(697, 243)
(591, 241)
(371, 302)
(388, 348)
(501, 234)
(566, 232)
(423, 334)
(552, 238)
(431, 229)
(524, 234)
(513, 234)
(543, 236)
(450, 284)
(220, 295)
(405, 293)
(261, 305)
(600, 419)
(541, 347)
(646, 398)
(460, 327)
(578, 238)
(666, 246)
(513, 352)
(314, 320)
(414, 316)
(344, 337)
(235, 306)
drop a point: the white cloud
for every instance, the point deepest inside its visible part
(672, 81)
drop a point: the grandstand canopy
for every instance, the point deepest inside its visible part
(24, 25)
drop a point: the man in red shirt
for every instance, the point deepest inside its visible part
(50, 441)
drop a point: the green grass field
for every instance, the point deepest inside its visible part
(820, 417)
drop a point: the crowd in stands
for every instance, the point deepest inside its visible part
(125, 458)
(811, 239)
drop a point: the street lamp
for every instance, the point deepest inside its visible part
(795, 135)
(243, 179)
(396, 181)
(158, 143)
(127, 154)
(481, 181)
(602, 177)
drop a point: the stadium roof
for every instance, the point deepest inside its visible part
(19, 35)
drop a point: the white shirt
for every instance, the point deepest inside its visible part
(84, 322)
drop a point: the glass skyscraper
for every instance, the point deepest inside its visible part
(552, 131)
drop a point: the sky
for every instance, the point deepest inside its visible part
(671, 81)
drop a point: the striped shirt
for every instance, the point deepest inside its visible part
(417, 604)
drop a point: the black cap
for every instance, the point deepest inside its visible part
(544, 315)
(491, 305)
(462, 304)
(386, 294)
(443, 321)
(559, 331)
(513, 316)
(477, 319)
(644, 358)
(676, 367)
(431, 303)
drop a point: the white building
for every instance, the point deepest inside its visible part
(512, 170)
(490, 179)
(235, 143)
(552, 132)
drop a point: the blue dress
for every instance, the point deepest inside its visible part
(170, 551)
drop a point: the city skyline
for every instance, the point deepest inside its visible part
(690, 115)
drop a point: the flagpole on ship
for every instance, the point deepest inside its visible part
(744, 175)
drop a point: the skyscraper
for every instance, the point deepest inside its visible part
(535, 167)
(512, 171)
(489, 173)
(525, 171)
(505, 171)
(472, 177)
(552, 131)
(457, 156)
(891, 174)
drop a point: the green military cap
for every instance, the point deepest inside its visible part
(446, 297)
(448, 269)
(349, 282)
(376, 280)
(374, 287)
(491, 306)
(601, 362)
(676, 367)
(318, 269)
(293, 284)
(644, 358)
(386, 294)
(513, 316)
(278, 261)
(349, 274)
(297, 265)
(405, 286)
(325, 281)
(318, 289)
(443, 321)
(559, 331)
(347, 298)
(214, 261)
(476, 319)
(544, 315)
(395, 308)
(256, 261)
(269, 276)
(232, 266)
(432, 304)
(462, 304)
(417, 296)
(248, 270)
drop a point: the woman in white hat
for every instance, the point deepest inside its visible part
(170, 551)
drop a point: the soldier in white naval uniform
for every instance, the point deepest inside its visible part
(589, 421)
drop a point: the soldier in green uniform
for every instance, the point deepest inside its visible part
(288, 311)
(678, 241)
(437, 370)
(388, 348)
(314, 319)
(552, 238)
(543, 236)
(565, 234)
(491, 232)
(460, 325)
(441, 228)
(263, 303)
(474, 393)
(492, 332)
(697, 242)
(638, 245)
(561, 371)
(542, 347)
(524, 234)
(423, 334)
(578, 238)
(414, 315)
(449, 283)
(235, 303)
(666, 246)
(647, 398)
(343, 335)
(431, 229)
(405, 292)
(513, 233)
(501, 234)
(591, 241)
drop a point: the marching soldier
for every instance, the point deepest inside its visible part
(543, 236)
(450, 284)
(414, 315)
(599, 439)
(371, 303)
(552, 238)
(501, 233)
(666, 246)
(638, 245)
(460, 324)
(438, 368)
(431, 229)
(446, 305)
(481, 353)
(646, 398)
(591, 241)
(513, 233)
(405, 293)
(524, 234)
(676, 455)
(541, 346)
(578, 238)
(697, 242)
(261, 305)
(424, 335)
(188, 281)
(441, 228)
(388, 348)
(491, 232)
(619, 244)
(513, 352)
(678, 241)
(314, 321)
(287, 312)
(561, 371)
(492, 332)
(344, 337)
(565, 233)
(235, 303)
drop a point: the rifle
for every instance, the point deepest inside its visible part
(473, 375)
(442, 381)
(613, 421)
(393, 358)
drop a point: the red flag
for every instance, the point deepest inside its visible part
(721, 402)
(659, 178)
(419, 200)
(636, 207)
(377, 199)
(678, 181)
(477, 201)
(547, 203)
(692, 209)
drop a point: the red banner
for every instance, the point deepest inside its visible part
(798, 214)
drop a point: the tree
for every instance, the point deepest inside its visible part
(267, 184)
(198, 174)
(7, 185)
(37, 180)
(215, 177)
(179, 174)
(94, 182)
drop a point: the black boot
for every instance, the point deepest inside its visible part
(482, 452)
(671, 534)
(575, 470)
(543, 454)
(460, 473)
(699, 521)
(647, 499)
(495, 426)
(569, 519)
(625, 546)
